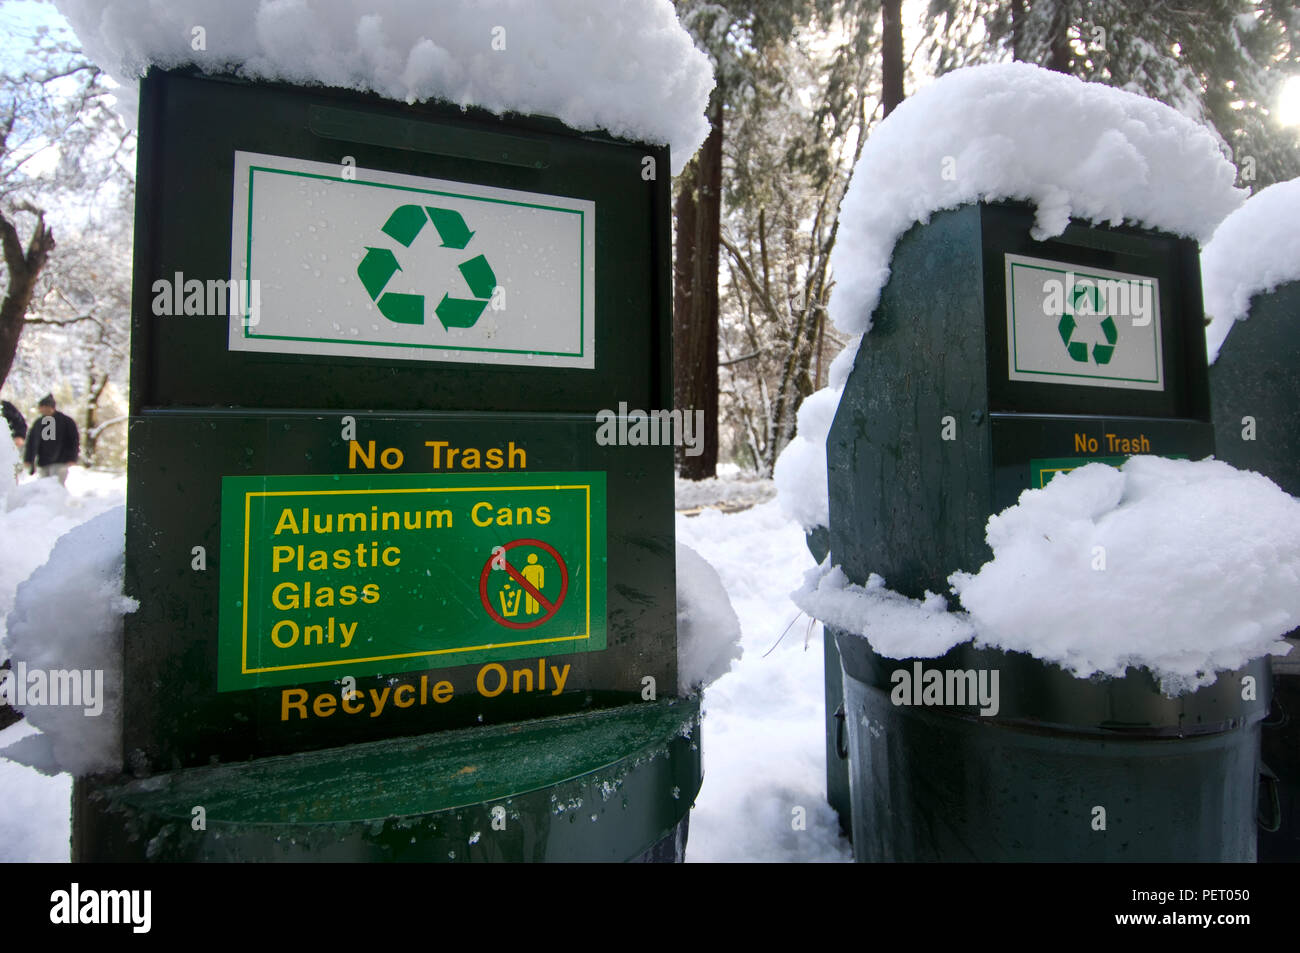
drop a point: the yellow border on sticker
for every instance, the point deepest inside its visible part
(1043, 479)
(245, 670)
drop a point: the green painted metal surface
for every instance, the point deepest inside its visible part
(910, 505)
(935, 432)
(1175, 778)
(1257, 376)
(191, 127)
(837, 766)
(604, 786)
(1255, 390)
(223, 660)
(496, 643)
(176, 637)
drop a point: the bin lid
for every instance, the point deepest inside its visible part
(1040, 695)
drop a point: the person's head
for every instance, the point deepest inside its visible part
(46, 405)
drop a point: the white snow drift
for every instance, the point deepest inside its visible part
(627, 67)
(896, 626)
(1255, 250)
(800, 472)
(33, 515)
(708, 631)
(1006, 131)
(1016, 131)
(1187, 568)
(67, 617)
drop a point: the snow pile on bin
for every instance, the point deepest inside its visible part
(628, 68)
(1185, 567)
(708, 630)
(1002, 132)
(67, 618)
(33, 515)
(1254, 251)
(895, 625)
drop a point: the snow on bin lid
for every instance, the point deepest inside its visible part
(1185, 567)
(1203, 561)
(1017, 131)
(991, 133)
(628, 68)
(1253, 251)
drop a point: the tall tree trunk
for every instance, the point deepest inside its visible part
(23, 267)
(685, 213)
(891, 54)
(1059, 55)
(1018, 30)
(95, 384)
(695, 295)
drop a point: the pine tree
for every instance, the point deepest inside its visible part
(743, 38)
(793, 144)
(1220, 62)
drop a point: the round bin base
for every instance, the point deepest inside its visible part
(1280, 749)
(613, 785)
(931, 784)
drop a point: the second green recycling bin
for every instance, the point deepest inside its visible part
(964, 338)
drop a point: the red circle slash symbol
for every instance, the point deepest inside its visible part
(498, 558)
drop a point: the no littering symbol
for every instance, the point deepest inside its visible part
(514, 582)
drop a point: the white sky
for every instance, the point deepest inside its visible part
(18, 22)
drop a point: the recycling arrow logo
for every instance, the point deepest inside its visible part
(1086, 299)
(380, 264)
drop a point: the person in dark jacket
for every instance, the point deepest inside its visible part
(17, 423)
(53, 442)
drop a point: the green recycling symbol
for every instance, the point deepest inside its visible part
(380, 265)
(1087, 295)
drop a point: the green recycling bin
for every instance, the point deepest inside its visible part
(397, 599)
(610, 786)
(1056, 767)
(1068, 770)
(1255, 387)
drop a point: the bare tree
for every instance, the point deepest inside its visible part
(23, 265)
(58, 136)
(78, 332)
(792, 151)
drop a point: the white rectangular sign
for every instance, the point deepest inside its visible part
(1083, 326)
(362, 263)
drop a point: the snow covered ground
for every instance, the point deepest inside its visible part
(35, 815)
(763, 795)
(729, 491)
(764, 755)
(34, 808)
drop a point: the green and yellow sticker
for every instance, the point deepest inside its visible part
(325, 576)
